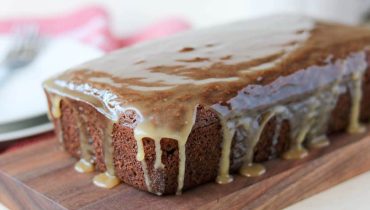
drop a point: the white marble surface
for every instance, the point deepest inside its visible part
(127, 16)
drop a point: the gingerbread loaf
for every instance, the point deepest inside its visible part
(168, 115)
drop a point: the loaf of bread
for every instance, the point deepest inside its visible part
(168, 115)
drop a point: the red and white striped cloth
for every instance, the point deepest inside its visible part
(91, 25)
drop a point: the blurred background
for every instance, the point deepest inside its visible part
(128, 16)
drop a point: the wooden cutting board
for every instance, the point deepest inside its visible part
(41, 176)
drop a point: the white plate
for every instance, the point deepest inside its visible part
(24, 128)
(22, 96)
(23, 104)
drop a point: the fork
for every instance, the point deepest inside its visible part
(23, 50)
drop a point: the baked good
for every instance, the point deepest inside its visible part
(172, 114)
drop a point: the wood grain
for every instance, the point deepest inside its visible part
(41, 176)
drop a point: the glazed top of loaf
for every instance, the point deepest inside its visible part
(232, 67)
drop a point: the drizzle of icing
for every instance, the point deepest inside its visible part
(147, 128)
(254, 130)
(180, 178)
(296, 150)
(108, 148)
(275, 138)
(54, 114)
(165, 89)
(356, 94)
(147, 180)
(85, 146)
(140, 156)
(228, 131)
(108, 178)
(55, 107)
(158, 155)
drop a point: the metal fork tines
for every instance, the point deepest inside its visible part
(24, 49)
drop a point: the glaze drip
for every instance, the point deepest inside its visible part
(158, 158)
(86, 149)
(107, 179)
(327, 99)
(228, 132)
(275, 138)
(301, 127)
(55, 107)
(54, 114)
(355, 88)
(253, 126)
(147, 180)
(147, 129)
(140, 156)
